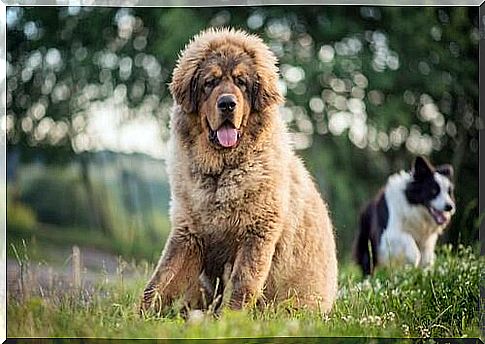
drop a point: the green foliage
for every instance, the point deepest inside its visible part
(20, 217)
(56, 194)
(122, 209)
(438, 302)
(46, 241)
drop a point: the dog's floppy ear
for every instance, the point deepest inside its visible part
(446, 170)
(265, 93)
(185, 88)
(422, 168)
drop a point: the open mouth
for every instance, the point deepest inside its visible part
(438, 215)
(226, 136)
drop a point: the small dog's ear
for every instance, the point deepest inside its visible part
(446, 170)
(422, 168)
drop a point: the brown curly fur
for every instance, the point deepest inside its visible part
(254, 207)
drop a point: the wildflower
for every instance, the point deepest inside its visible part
(424, 331)
(390, 316)
(405, 330)
(347, 318)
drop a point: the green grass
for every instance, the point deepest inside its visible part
(439, 302)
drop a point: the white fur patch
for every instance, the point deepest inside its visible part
(444, 197)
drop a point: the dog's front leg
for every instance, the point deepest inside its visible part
(427, 251)
(398, 247)
(251, 267)
(179, 266)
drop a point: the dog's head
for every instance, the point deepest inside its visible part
(226, 78)
(432, 188)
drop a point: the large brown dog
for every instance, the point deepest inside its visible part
(242, 201)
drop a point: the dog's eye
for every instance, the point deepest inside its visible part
(240, 81)
(210, 83)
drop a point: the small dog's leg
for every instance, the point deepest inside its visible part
(179, 265)
(427, 251)
(251, 268)
(397, 249)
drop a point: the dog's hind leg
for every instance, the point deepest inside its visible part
(363, 252)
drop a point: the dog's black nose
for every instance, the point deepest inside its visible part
(448, 207)
(226, 103)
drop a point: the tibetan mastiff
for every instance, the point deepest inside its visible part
(246, 216)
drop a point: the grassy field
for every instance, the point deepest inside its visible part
(439, 302)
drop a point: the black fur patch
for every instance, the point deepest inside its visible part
(424, 188)
(373, 222)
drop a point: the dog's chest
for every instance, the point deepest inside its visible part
(224, 201)
(418, 223)
(403, 216)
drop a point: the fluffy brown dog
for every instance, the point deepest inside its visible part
(242, 201)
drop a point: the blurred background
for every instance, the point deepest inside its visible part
(367, 89)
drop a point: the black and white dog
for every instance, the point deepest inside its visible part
(402, 223)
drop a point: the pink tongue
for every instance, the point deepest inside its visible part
(227, 136)
(438, 216)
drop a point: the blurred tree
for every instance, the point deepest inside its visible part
(367, 88)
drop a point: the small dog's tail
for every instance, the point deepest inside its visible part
(363, 248)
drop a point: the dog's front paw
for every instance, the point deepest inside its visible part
(240, 299)
(150, 301)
